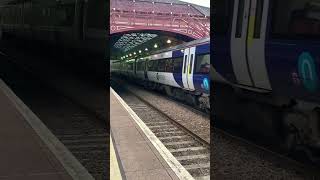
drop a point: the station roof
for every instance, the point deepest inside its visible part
(202, 9)
(130, 41)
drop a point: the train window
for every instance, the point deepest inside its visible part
(191, 62)
(140, 66)
(223, 15)
(296, 19)
(169, 65)
(240, 18)
(161, 65)
(185, 63)
(153, 65)
(257, 24)
(177, 64)
(150, 64)
(202, 64)
(130, 66)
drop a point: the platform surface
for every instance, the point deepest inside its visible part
(23, 154)
(138, 158)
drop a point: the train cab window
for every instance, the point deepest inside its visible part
(296, 19)
(202, 64)
(177, 64)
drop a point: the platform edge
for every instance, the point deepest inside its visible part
(73, 167)
(174, 164)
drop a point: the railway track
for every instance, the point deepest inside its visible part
(274, 159)
(190, 150)
(80, 129)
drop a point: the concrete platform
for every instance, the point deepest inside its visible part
(28, 149)
(139, 154)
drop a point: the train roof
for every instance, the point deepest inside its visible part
(184, 45)
(178, 47)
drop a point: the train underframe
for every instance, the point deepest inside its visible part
(193, 98)
(292, 123)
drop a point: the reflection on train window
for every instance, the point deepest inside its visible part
(153, 65)
(202, 64)
(130, 66)
(161, 65)
(296, 18)
(149, 66)
(140, 66)
(169, 65)
(177, 64)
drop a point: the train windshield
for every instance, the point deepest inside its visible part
(203, 64)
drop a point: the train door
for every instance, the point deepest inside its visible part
(248, 43)
(187, 68)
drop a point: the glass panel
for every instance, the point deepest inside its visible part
(257, 24)
(240, 18)
(202, 64)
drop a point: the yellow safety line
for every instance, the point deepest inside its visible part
(114, 166)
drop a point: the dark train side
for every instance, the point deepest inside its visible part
(78, 26)
(267, 54)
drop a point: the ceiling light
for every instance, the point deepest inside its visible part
(168, 41)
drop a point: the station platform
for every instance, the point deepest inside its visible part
(29, 151)
(136, 154)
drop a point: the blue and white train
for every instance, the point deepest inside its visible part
(181, 71)
(268, 52)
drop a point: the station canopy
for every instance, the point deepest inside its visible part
(132, 40)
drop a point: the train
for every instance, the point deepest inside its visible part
(77, 26)
(182, 72)
(266, 59)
